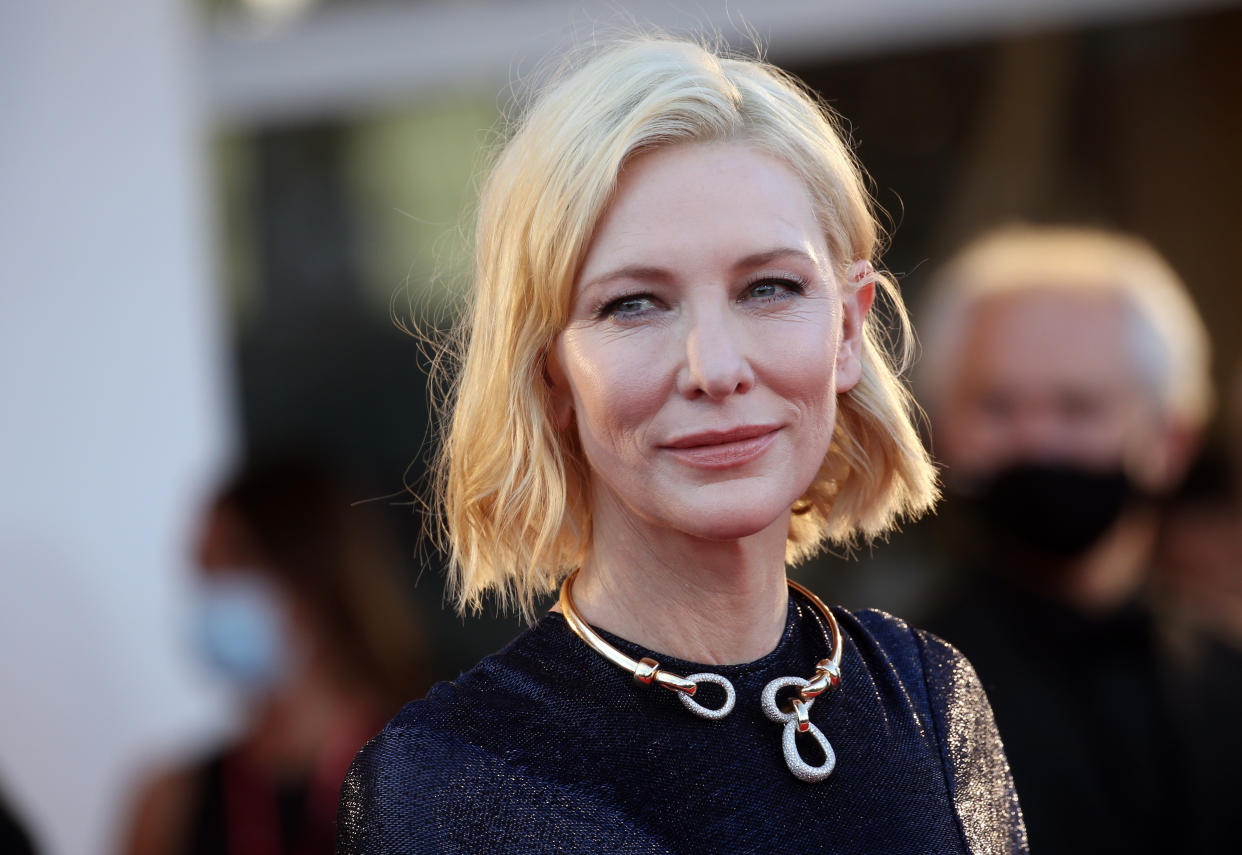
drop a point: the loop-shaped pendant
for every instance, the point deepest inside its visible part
(767, 700)
(697, 708)
(801, 770)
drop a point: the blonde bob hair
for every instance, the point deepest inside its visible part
(513, 488)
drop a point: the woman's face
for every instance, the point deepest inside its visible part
(707, 342)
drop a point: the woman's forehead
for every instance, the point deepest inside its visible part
(724, 201)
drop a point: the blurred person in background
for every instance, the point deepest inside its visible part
(1200, 549)
(299, 610)
(1200, 546)
(1065, 373)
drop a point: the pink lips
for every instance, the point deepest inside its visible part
(723, 449)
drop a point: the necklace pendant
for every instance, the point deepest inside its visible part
(802, 770)
(795, 722)
(697, 708)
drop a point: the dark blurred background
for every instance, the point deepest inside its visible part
(333, 150)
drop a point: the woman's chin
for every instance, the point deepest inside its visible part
(724, 525)
(720, 512)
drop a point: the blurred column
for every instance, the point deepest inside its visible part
(113, 414)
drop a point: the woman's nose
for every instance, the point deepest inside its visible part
(716, 362)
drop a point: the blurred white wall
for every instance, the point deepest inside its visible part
(114, 412)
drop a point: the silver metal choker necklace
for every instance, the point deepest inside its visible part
(794, 715)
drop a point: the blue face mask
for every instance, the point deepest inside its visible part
(241, 630)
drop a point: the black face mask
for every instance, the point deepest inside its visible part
(1058, 510)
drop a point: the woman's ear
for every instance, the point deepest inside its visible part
(857, 297)
(559, 392)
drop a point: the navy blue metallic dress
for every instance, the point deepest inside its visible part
(545, 747)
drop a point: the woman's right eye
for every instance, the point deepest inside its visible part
(628, 306)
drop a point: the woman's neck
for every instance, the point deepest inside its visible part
(717, 603)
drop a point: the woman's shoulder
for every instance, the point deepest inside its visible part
(414, 750)
(425, 772)
(461, 766)
(915, 652)
(461, 743)
(502, 688)
(417, 786)
(932, 672)
(947, 688)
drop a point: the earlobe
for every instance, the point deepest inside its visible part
(856, 302)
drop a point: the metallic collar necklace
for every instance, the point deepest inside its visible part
(795, 717)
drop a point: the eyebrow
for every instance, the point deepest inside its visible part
(660, 274)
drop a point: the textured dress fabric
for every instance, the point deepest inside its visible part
(545, 747)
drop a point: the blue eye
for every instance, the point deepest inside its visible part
(768, 290)
(627, 306)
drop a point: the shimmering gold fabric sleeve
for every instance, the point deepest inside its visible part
(975, 766)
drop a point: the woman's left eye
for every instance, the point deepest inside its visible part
(773, 289)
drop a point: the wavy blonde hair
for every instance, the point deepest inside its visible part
(515, 509)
